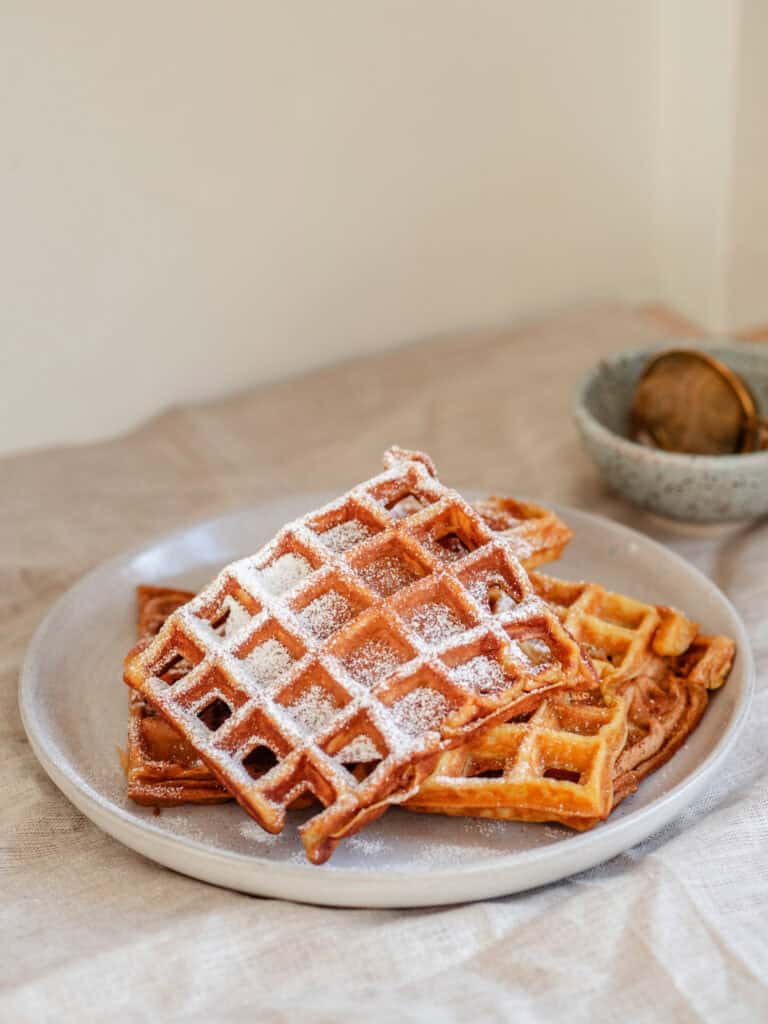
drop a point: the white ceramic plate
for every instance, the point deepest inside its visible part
(74, 707)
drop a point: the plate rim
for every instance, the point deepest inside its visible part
(581, 847)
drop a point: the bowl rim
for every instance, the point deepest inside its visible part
(586, 417)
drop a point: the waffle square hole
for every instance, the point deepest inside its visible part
(562, 774)
(573, 768)
(479, 770)
(289, 566)
(451, 536)
(373, 652)
(210, 687)
(620, 611)
(435, 615)
(345, 528)
(270, 653)
(173, 668)
(421, 710)
(259, 760)
(405, 506)
(359, 746)
(493, 583)
(603, 641)
(533, 655)
(313, 701)
(400, 500)
(326, 611)
(483, 674)
(215, 714)
(232, 609)
(423, 702)
(390, 567)
(176, 660)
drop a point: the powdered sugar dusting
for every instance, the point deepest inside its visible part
(420, 710)
(284, 573)
(531, 654)
(237, 617)
(360, 749)
(372, 661)
(490, 591)
(436, 622)
(314, 710)
(388, 574)
(406, 506)
(253, 832)
(481, 673)
(269, 662)
(369, 847)
(345, 535)
(327, 613)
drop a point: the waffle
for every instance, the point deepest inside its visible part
(161, 768)
(362, 633)
(630, 632)
(535, 533)
(563, 764)
(557, 764)
(621, 634)
(665, 706)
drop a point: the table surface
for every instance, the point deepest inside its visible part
(674, 929)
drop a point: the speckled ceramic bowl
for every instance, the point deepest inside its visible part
(696, 488)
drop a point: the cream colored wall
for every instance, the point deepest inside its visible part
(747, 266)
(711, 161)
(698, 45)
(199, 196)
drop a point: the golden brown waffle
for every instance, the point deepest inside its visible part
(659, 709)
(557, 764)
(535, 533)
(363, 632)
(665, 706)
(621, 634)
(161, 768)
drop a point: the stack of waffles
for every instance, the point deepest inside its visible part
(396, 647)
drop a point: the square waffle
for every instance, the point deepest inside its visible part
(564, 763)
(362, 633)
(161, 767)
(535, 533)
(557, 763)
(620, 633)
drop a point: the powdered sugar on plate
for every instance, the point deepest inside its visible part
(369, 846)
(253, 832)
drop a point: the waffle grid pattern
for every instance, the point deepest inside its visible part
(277, 642)
(558, 764)
(620, 633)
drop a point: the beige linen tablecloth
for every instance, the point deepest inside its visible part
(675, 929)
